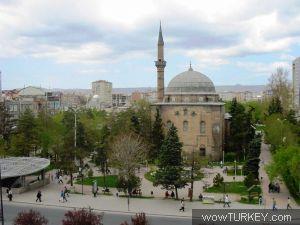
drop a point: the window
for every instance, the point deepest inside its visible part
(185, 112)
(202, 127)
(202, 151)
(169, 124)
(185, 125)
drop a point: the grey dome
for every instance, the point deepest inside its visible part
(190, 82)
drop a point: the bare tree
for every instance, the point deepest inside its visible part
(281, 87)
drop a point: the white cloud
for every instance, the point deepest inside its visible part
(259, 68)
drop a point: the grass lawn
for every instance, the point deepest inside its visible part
(111, 181)
(230, 187)
(231, 172)
(149, 177)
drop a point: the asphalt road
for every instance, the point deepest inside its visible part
(55, 215)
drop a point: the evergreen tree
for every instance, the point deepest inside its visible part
(275, 106)
(5, 122)
(170, 165)
(26, 140)
(157, 136)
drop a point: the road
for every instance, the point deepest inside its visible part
(55, 215)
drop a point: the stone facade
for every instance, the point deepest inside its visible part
(193, 106)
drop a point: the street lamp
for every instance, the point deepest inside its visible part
(281, 131)
(234, 168)
(81, 174)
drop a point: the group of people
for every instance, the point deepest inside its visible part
(167, 195)
(64, 194)
(274, 187)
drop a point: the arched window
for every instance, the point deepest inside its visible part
(185, 125)
(169, 124)
(202, 151)
(202, 127)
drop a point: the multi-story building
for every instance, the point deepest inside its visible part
(71, 100)
(296, 84)
(120, 100)
(36, 99)
(102, 94)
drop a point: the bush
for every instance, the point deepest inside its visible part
(31, 217)
(230, 156)
(218, 180)
(138, 219)
(80, 217)
(127, 184)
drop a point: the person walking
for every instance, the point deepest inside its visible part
(172, 194)
(61, 198)
(226, 201)
(288, 206)
(10, 195)
(39, 196)
(274, 205)
(60, 180)
(260, 200)
(66, 191)
(182, 205)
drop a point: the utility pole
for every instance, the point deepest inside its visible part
(1, 199)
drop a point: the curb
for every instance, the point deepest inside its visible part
(101, 210)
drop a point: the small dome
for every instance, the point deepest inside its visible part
(190, 82)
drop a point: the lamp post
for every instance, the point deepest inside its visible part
(281, 130)
(81, 174)
(234, 168)
(1, 199)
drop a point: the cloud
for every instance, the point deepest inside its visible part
(210, 32)
(259, 68)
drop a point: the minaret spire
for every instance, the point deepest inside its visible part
(160, 36)
(160, 65)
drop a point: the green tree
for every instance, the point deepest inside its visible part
(250, 180)
(170, 164)
(275, 106)
(157, 136)
(218, 180)
(26, 139)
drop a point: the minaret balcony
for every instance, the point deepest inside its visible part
(160, 63)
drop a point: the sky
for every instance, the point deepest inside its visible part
(69, 44)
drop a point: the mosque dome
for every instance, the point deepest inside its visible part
(191, 82)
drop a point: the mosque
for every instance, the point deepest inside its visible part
(191, 103)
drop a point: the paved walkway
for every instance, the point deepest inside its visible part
(281, 198)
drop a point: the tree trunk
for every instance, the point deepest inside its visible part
(71, 177)
(192, 190)
(176, 193)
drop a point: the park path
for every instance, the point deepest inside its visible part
(281, 198)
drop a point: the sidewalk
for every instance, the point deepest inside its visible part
(281, 198)
(166, 207)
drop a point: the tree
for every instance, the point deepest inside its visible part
(252, 166)
(31, 217)
(80, 217)
(5, 123)
(275, 106)
(281, 87)
(241, 131)
(218, 180)
(25, 141)
(157, 136)
(128, 152)
(101, 157)
(250, 180)
(170, 165)
(194, 162)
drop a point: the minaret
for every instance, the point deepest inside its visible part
(160, 65)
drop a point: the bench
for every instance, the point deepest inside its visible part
(208, 199)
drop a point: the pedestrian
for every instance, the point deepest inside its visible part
(60, 179)
(66, 191)
(172, 194)
(61, 197)
(226, 201)
(181, 205)
(151, 193)
(166, 194)
(64, 196)
(288, 206)
(10, 195)
(200, 197)
(117, 194)
(39, 196)
(274, 207)
(260, 200)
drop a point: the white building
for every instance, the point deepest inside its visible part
(102, 95)
(296, 83)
